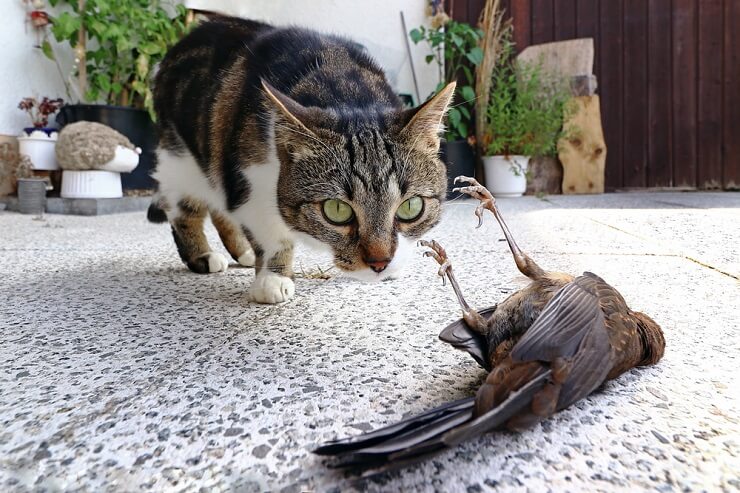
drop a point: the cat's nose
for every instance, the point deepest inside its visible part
(378, 265)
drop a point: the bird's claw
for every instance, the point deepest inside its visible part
(439, 254)
(476, 191)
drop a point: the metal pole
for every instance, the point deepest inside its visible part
(411, 59)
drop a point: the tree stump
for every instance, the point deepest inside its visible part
(583, 152)
(544, 176)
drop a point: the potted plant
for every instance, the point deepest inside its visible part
(524, 118)
(37, 142)
(117, 46)
(454, 49)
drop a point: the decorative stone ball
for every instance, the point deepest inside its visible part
(91, 145)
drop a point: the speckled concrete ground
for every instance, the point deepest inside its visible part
(122, 371)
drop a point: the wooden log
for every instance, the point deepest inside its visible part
(583, 153)
(544, 176)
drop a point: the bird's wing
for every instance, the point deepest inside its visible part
(566, 319)
(571, 332)
(460, 336)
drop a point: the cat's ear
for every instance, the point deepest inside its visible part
(424, 124)
(292, 112)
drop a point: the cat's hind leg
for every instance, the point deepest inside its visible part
(187, 228)
(233, 239)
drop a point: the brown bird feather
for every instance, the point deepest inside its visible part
(546, 346)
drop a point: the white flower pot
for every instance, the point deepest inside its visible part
(39, 147)
(91, 184)
(506, 175)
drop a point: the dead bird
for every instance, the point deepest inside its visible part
(546, 346)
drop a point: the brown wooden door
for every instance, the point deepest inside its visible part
(669, 80)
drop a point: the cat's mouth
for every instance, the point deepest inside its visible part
(369, 275)
(392, 270)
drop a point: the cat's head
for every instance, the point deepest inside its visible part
(367, 184)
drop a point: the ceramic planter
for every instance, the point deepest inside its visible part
(91, 184)
(460, 160)
(133, 123)
(506, 175)
(38, 144)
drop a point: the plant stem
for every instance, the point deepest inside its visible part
(82, 64)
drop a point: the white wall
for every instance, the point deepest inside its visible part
(24, 70)
(374, 23)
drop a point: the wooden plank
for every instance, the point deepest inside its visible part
(731, 104)
(521, 13)
(587, 26)
(565, 19)
(610, 87)
(660, 152)
(684, 92)
(542, 21)
(709, 117)
(583, 155)
(475, 7)
(634, 133)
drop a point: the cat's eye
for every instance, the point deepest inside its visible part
(338, 211)
(410, 209)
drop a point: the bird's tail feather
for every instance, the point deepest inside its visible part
(419, 437)
(399, 429)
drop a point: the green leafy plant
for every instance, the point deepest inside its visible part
(525, 111)
(454, 49)
(118, 42)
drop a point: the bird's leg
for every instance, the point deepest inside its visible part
(474, 320)
(526, 265)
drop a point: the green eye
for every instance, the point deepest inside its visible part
(410, 209)
(338, 211)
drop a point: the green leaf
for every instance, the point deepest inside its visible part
(429, 58)
(416, 36)
(462, 130)
(454, 116)
(440, 85)
(46, 49)
(467, 93)
(468, 74)
(65, 26)
(465, 111)
(475, 55)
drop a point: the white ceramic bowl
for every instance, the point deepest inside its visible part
(91, 184)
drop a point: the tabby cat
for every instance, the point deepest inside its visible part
(283, 134)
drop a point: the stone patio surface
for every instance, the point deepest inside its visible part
(122, 371)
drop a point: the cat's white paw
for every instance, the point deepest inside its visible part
(216, 262)
(271, 288)
(247, 258)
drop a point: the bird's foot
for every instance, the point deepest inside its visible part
(477, 191)
(440, 255)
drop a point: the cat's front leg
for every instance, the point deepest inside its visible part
(274, 280)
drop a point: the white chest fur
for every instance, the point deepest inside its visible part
(260, 213)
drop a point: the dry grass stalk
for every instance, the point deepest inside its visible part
(494, 29)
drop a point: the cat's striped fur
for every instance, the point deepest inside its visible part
(261, 125)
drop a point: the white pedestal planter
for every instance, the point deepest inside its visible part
(39, 147)
(91, 184)
(506, 175)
